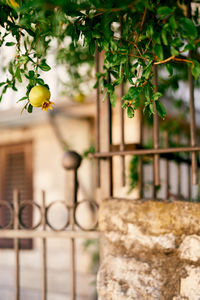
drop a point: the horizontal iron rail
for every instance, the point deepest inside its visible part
(9, 233)
(145, 151)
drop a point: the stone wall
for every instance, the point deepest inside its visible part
(151, 250)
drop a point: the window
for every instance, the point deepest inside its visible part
(16, 173)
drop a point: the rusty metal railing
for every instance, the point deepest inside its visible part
(156, 152)
(16, 227)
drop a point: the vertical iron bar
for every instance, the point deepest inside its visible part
(178, 169)
(166, 143)
(189, 182)
(192, 110)
(16, 244)
(155, 139)
(72, 240)
(44, 250)
(198, 190)
(122, 145)
(110, 143)
(73, 275)
(98, 118)
(141, 187)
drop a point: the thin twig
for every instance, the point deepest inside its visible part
(147, 47)
(143, 19)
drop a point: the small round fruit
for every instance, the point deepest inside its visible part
(80, 98)
(39, 95)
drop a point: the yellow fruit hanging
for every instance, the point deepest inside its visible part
(39, 97)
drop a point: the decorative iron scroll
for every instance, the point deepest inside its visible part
(24, 204)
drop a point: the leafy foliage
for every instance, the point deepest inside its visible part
(137, 36)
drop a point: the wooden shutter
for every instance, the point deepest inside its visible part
(16, 173)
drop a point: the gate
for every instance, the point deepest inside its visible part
(73, 229)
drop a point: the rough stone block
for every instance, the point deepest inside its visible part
(151, 250)
(190, 248)
(128, 279)
(190, 285)
(152, 217)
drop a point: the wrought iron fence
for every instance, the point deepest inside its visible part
(106, 151)
(16, 228)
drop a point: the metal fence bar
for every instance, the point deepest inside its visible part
(122, 144)
(23, 233)
(72, 240)
(189, 182)
(44, 250)
(98, 180)
(140, 165)
(192, 110)
(146, 151)
(16, 244)
(178, 169)
(155, 138)
(166, 144)
(73, 272)
(110, 142)
(192, 128)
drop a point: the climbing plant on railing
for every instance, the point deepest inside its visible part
(135, 35)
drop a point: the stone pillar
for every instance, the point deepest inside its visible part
(151, 250)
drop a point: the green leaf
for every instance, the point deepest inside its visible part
(113, 99)
(22, 99)
(30, 108)
(2, 83)
(96, 84)
(156, 96)
(149, 31)
(23, 59)
(147, 70)
(164, 11)
(172, 22)
(134, 92)
(164, 37)
(196, 69)
(18, 74)
(169, 69)
(44, 67)
(40, 81)
(130, 112)
(158, 49)
(189, 47)
(174, 51)
(10, 69)
(10, 44)
(3, 92)
(177, 43)
(151, 108)
(147, 93)
(136, 102)
(31, 74)
(92, 47)
(127, 97)
(160, 109)
(118, 81)
(188, 27)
